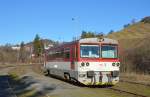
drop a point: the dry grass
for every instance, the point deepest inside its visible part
(132, 36)
(141, 78)
(139, 30)
(19, 70)
(37, 68)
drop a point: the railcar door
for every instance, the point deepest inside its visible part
(73, 57)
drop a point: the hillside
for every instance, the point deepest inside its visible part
(134, 46)
(132, 36)
(138, 30)
(45, 41)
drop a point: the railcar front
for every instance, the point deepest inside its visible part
(98, 62)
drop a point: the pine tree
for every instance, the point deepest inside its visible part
(38, 46)
(87, 34)
(111, 31)
(83, 35)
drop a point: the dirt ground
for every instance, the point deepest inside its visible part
(28, 81)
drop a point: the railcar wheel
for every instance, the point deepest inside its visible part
(47, 73)
(67, 76)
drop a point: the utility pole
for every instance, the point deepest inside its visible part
(77, 26)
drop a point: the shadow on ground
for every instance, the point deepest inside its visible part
(5, 90)
(78, 84)
(29, 87)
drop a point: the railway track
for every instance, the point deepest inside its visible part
(123, 91)
(131, 82)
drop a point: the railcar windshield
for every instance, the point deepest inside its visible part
(89, 51)
(109, 51)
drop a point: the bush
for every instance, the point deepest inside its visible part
(146, 20)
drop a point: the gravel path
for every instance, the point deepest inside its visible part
(46, 85)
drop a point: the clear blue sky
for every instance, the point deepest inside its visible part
(21, 20)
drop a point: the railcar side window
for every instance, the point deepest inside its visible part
(62, 53)
(67, 53)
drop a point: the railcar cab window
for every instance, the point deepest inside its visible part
(89, 51)
(109, 51)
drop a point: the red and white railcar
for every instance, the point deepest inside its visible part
(91, 61)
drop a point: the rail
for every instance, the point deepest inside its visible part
(131, 82)
(123, 91)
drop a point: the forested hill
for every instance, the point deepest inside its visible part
(134, 42)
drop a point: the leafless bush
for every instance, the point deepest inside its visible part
(8, 55)
(136, 59)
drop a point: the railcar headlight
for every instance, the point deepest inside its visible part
(87, 64)
(118, 64)
(113, 64)
(82, 64)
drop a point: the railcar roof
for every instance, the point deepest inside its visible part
(89, 40)
(97, 40)
(94, 40)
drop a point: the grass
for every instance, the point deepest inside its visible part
(90, 92)
(134, 88)
(141, 78)
(18, 71)
(14, 76)
(28, 93)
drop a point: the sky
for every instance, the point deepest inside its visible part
(21, 20)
